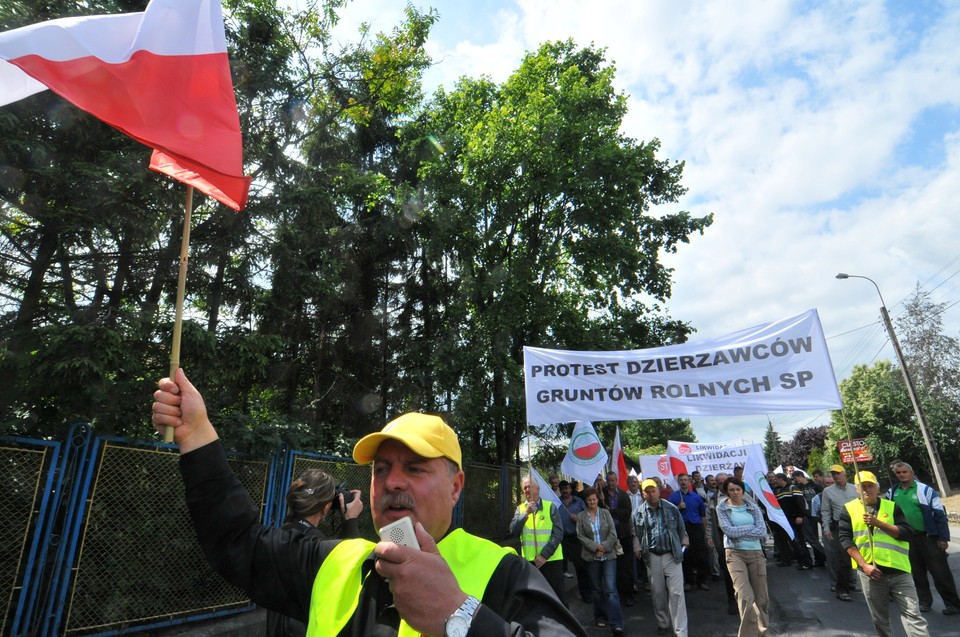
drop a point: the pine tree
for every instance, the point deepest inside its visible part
(771, 446)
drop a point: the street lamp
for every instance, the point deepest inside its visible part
(928, 440)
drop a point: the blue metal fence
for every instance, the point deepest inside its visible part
(96, 540)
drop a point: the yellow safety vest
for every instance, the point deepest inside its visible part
(886, 550)
(536, 533)
(336, 589)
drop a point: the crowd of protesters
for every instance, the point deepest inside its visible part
(437, 579)
(671, 543)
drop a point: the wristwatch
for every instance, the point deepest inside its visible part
(458, 624)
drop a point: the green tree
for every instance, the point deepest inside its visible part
(877, 407)
(541, 211)
(394, 254)
(933, 356)
(771, 446)
(90, 240)
(79, 224)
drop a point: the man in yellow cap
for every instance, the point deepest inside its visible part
(876, 536)
(659, 539)
(456, 585)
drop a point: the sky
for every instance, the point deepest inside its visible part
(823, 136)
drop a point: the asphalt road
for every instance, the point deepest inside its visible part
(801, 605)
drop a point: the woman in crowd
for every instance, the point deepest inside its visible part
(744, 533)
(310, 499)
(597, 534)
(600, 486)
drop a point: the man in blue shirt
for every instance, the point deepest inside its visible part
(693, 510)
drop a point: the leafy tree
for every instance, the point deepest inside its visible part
(639, 435)
(90, 239)
(876, 405)
(818, 459)
(540, 209)
(876, 402)
(771, 446)
(79, 224)
(394, 254)
(933, 357)
(798, 449)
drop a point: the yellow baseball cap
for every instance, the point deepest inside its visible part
(866, 476)
(425, 435)
(837, 468)
(647, 483)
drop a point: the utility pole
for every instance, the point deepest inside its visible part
(928, 440)
(938, 473)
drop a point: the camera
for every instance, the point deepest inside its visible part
(347, 496)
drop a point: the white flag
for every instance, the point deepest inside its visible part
(586, 458)
(546, 491)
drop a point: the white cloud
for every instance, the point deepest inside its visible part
(793, 120)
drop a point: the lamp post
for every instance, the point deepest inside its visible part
(928, 440)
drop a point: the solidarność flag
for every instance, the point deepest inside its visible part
(586, 458)
(161, 76)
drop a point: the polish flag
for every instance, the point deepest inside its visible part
(161, 77)
(618, 464)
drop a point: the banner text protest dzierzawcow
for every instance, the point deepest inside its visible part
(776, 367)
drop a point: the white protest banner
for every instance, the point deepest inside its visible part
(586, 457)
(712, 458)
(780, 366)
(657, 467)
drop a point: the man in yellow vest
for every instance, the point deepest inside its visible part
(456, 585)
(876, 536)
(537, 522)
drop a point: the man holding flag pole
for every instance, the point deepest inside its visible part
(537, 523)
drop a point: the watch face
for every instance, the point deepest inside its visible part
(457, 626)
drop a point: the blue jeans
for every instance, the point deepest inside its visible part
(606, 601)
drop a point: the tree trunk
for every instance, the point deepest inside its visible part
(33, 292)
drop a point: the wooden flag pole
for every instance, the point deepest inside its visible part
(181, 292)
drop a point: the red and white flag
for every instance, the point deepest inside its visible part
(161, 76)
(586, 458)
(618, 464)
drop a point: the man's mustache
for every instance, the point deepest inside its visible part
(396, 500)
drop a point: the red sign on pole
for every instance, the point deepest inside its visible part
(860, 449)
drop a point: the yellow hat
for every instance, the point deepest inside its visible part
(647, 483)
(425, 435)
(837, 468)
(866, 476)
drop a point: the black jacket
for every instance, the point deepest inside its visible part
(277, 567)
(279, 625)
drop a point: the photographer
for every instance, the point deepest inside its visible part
(310, 499)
